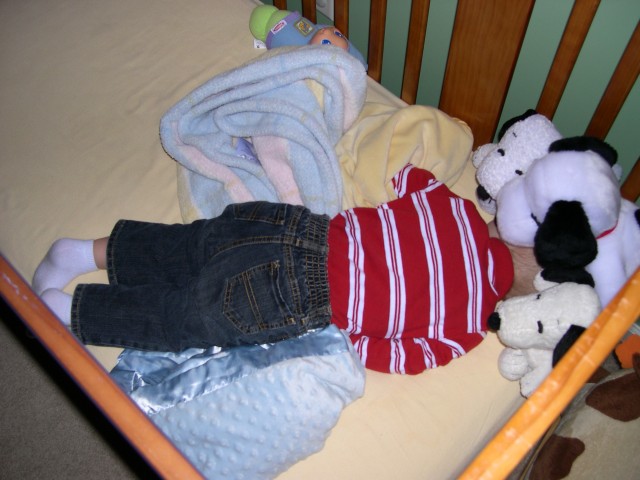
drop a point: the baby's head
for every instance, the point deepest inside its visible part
(525, 266)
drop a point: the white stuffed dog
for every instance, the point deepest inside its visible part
(537, 329)
(521, 140)
(568, 206)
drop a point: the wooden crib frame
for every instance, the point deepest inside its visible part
(501, 26)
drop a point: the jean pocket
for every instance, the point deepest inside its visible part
(266, 212)
(253, 300)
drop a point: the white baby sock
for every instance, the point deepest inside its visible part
(66, 259)
(59, 303)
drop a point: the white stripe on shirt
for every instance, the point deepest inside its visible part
(400, 180)
(471, 263)
(434, 265)
(430, 359)
(361, 346)
(491, 273)
(398, 356)
(355, 306)
(397, 288)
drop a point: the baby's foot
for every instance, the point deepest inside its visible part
(66, 259)
(59, 303)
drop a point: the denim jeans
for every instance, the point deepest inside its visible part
(255, 274)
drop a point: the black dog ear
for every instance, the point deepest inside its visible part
(584, 143)
(514, 120)
(568, 339)
(564, 240)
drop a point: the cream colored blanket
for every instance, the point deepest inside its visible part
(385, 138)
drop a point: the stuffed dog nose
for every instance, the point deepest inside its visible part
(482, 193)
(494, 321)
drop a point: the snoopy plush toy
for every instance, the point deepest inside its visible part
(568, 204)
(537, 329)
(521, 140)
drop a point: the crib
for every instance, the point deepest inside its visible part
(88, 84)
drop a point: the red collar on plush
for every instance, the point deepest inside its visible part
(607, 232)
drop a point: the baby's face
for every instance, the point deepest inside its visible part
(330, 36)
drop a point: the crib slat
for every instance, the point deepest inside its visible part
(631, 187)
(620, 84)
(487, 37)
(575, 32)
(280, 4)
(502, 454)
(415, 49)
(341, 16)
(160, 453)
(309, 10)
(377, 23)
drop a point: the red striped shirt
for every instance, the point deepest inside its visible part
(413, 281)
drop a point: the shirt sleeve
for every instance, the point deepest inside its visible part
(411, 179)
(410, 356)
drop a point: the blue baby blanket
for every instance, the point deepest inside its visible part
(247, 412)
(266, 130)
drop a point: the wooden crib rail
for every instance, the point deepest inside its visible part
(631, 186)
(125, 415)
(415, 49)
(521, 432)
(621, 83)
(573, 38)
(485, 46)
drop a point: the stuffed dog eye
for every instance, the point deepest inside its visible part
(501, 152)
(519, 172)
(540, 327)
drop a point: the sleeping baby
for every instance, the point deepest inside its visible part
(412, 281)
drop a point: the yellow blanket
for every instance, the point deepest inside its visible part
(385, 138)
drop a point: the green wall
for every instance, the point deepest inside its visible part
(610, 32)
